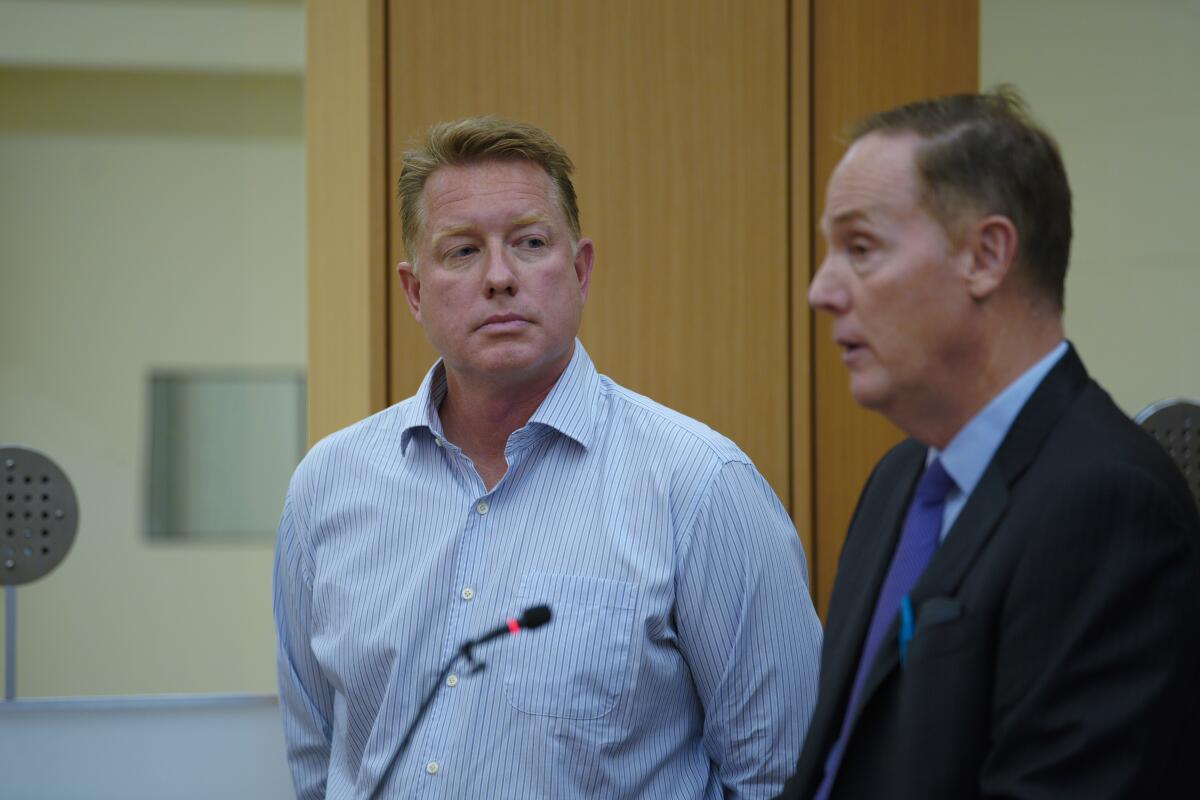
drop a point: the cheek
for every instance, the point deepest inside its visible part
(885, 315)
(447, 294)
(898, 330)
(572, 290)
(563, 291)
(931, 337)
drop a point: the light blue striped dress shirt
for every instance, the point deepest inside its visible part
(682, 658)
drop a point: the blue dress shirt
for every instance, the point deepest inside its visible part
(971, 450)
(682, 658)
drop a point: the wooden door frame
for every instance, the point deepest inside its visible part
(348, 225)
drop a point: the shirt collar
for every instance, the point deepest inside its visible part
(971, 450)
(570, 407)
(420, 412)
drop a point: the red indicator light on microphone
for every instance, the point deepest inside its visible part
(513, 626)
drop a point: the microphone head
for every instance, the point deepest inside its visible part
(535, 617)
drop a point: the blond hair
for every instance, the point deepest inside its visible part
(472, 141)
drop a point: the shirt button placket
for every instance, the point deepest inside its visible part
(468, 593)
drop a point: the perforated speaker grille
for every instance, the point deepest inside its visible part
(38, 515)
(1176, 426)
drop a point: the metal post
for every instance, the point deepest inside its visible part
(10, 643)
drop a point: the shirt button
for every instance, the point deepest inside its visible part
(452, 681)
(432, 767)
(437, 441)
(468, 593)
(482, 508)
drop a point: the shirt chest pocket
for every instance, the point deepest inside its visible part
(577, 666)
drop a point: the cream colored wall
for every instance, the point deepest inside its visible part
(1116, 82)
(148, 218)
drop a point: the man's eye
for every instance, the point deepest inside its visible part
(534, 242)
(461, 252)
(858, 248)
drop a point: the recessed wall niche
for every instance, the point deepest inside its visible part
(223, 445)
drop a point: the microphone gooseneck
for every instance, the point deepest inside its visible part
(531, 618)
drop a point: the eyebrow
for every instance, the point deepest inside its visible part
(460, 230)
(532, 218)
(453, 230)
(843, 218)
(853, 215)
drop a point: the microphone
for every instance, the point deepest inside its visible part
(531, 618)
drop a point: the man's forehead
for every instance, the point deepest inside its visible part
(458, 181)
(520, 189)
(877, 176)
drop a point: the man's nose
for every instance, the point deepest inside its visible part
(499, 276)
(826, 292)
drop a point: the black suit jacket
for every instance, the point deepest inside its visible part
(1056, 648)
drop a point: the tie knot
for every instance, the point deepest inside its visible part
(935, 483)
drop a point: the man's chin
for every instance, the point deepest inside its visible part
(867, 393)
(514, 366)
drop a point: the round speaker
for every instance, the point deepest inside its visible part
(1176, 425)
(38, 515)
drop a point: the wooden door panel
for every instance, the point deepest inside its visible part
(676, 114)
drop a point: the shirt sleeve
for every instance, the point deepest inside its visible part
(305, 697)
(748, 631)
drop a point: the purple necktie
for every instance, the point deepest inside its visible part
(918, 541)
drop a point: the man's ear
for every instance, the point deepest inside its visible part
(585, 255)
(412, 287)
(992, 242)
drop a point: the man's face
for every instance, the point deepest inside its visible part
(893, 282)
(498, 286)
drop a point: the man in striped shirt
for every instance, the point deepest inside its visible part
(681, 660)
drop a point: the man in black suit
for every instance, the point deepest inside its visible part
(1017, 607)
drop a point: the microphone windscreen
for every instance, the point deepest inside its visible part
(535, 617)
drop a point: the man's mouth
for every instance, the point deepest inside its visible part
(503, 322)
(850, 347)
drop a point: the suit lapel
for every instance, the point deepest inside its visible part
(984, 509)
(863, 565)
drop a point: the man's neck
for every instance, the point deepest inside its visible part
(1006, 355)
(478, 417)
